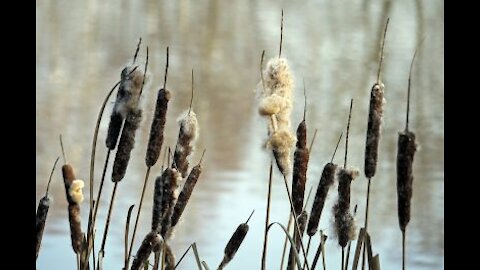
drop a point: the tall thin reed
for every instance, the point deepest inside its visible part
(405, 154)
(267, 217)
(235, 242)
(187, 135)
(186, 192)
(375, 116)
(42, 212)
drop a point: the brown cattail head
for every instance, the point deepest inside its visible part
(169, 258)
(375, 116)
(68, 177)
(114, 127)
(172, 179)
(344, 223)
(326, 181)
(187, 136)
(151, 240)
(42, 212)
(233, 244)
(300, 164)
(186, 193)
(157, 203)
(75, 227)
(406, 152)
(155, 140)
(126, 144)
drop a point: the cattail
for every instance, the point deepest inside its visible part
(186, 192)
(405, 154)
(131, 81)
(187, 136)
(300, 164)
(74, 197)
(344, 223)
(375, 115)
(157, 203)
(281, 143)
(126, 144)
(302, 223)
(276, 105)
(234, 243)
(326, 181)
(155, 140)
(169, 258)
(42, 211)
(151, 240)
(171, 180)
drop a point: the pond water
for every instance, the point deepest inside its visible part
(82, 46)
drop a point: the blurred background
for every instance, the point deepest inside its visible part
(82, 46)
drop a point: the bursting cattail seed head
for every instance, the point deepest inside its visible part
(126, 144)
(75, 191)
(375, 115)
(127, 100)
(271, 105)
(281, 142)
(406, 152)
(326, 181)
(187, 136)
(151, 240)
(344, 222)
(279, 78)
(155, 140)
(186, 193)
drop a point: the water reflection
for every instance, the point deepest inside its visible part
(82, 47)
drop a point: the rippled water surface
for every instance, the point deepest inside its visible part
(82, 46)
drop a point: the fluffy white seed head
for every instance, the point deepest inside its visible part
(189, 124)
(75, 191)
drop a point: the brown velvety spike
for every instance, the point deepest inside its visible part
(326, 181)
(375, 115)
(405, 155)
(344, 223)
(155, 140)
(126, 144)
(75, 227)
(186, 193)
(41, 218)
(233, 244)
(151, 240)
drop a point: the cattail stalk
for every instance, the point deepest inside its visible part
(186, 192)
(406, 152)
(375, 115)
(267, 218)
(127, 138)
(42, 212)
(151, 240)
(169, 258)
(235, 242)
